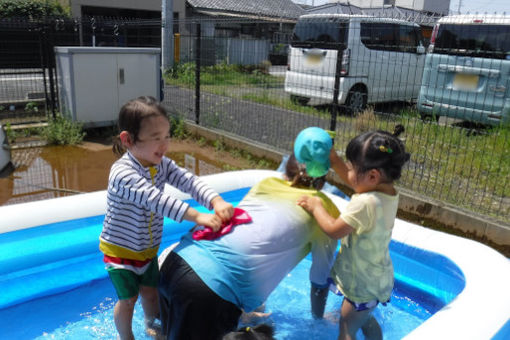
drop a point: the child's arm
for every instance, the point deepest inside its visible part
(334, 228)
(338, 164)
(208, 220)
(223, 209)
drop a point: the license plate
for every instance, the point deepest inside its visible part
(465, 82)
(313, 59)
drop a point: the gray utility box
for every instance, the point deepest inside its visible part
(94, 82)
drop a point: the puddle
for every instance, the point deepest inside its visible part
(57, 171)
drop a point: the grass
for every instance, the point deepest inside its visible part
(448, 163)
(220, 75)
(465, 167)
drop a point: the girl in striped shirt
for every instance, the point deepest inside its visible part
(137, 203)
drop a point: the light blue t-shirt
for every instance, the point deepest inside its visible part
(247, 264)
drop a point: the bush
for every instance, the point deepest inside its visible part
(178, 128)
(32, 9)
(62, 131)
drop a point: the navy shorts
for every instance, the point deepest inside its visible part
(189, 308)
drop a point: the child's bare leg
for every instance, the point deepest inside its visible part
(123, 316)
(351, 320)
(371, 329)
(150, 307)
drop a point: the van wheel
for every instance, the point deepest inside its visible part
(299, 100)
(356, 100)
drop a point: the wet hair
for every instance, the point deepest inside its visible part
(259, 332)
(296, 172)
(379, 150)
(131, 116)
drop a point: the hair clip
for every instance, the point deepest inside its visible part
(385, 149)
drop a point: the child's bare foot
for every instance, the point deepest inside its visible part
(154, 332)
(153, 329)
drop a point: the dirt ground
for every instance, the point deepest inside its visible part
(222, 158)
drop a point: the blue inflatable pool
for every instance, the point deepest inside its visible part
(54, 285)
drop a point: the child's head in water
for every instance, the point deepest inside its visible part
(144, 130)
(375, 158)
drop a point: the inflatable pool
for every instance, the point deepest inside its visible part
(53, 283)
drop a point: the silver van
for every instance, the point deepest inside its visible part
(378, 60)
(467, 70)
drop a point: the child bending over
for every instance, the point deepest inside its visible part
(363, 271)
(136, 205)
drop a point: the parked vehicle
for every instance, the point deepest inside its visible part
(467, 70)
(377, 59)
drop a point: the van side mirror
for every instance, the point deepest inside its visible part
(420, 49)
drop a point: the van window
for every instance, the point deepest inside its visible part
(324, 33)
(486, 41)
(379, 36)
(409, 38)
(390, 37)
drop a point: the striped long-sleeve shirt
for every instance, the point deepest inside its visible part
(136, 205)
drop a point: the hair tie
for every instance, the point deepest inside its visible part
(247, 329)
(385, 149)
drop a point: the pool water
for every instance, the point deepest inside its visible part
(87, 313)
(54, 286)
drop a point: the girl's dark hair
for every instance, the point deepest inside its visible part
(259, 332)
(378, 150)
(131, 116)
(296, 172)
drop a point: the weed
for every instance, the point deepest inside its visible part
(32, 107)
(178, 128)
(202, 141)
(63, 131)
(219, 145)
(365, 121)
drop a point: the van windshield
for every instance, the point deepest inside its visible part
(486, 41)
(320, 33)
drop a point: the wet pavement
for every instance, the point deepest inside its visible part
(56, 171)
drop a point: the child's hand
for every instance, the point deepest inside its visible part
(309, 203)
(223, 209)
(209, 220)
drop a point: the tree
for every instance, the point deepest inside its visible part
(32, 9)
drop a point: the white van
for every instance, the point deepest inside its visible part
(467, 70)
(377, 59)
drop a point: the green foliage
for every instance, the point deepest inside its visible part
(178, 128)
(11, 134)
(219, 145)
(31, 107)
(63, 131)
(32, 9)
(222, 74)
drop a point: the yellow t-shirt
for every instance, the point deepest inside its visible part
(363, 270)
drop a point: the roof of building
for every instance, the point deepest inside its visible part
(249, 8)
(334, 8)
(395, 12)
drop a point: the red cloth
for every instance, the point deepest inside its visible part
(240, 216)
(118, 260)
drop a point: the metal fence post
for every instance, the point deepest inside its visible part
(336, 91)
(197, 75)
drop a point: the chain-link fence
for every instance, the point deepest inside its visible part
(448, 86)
